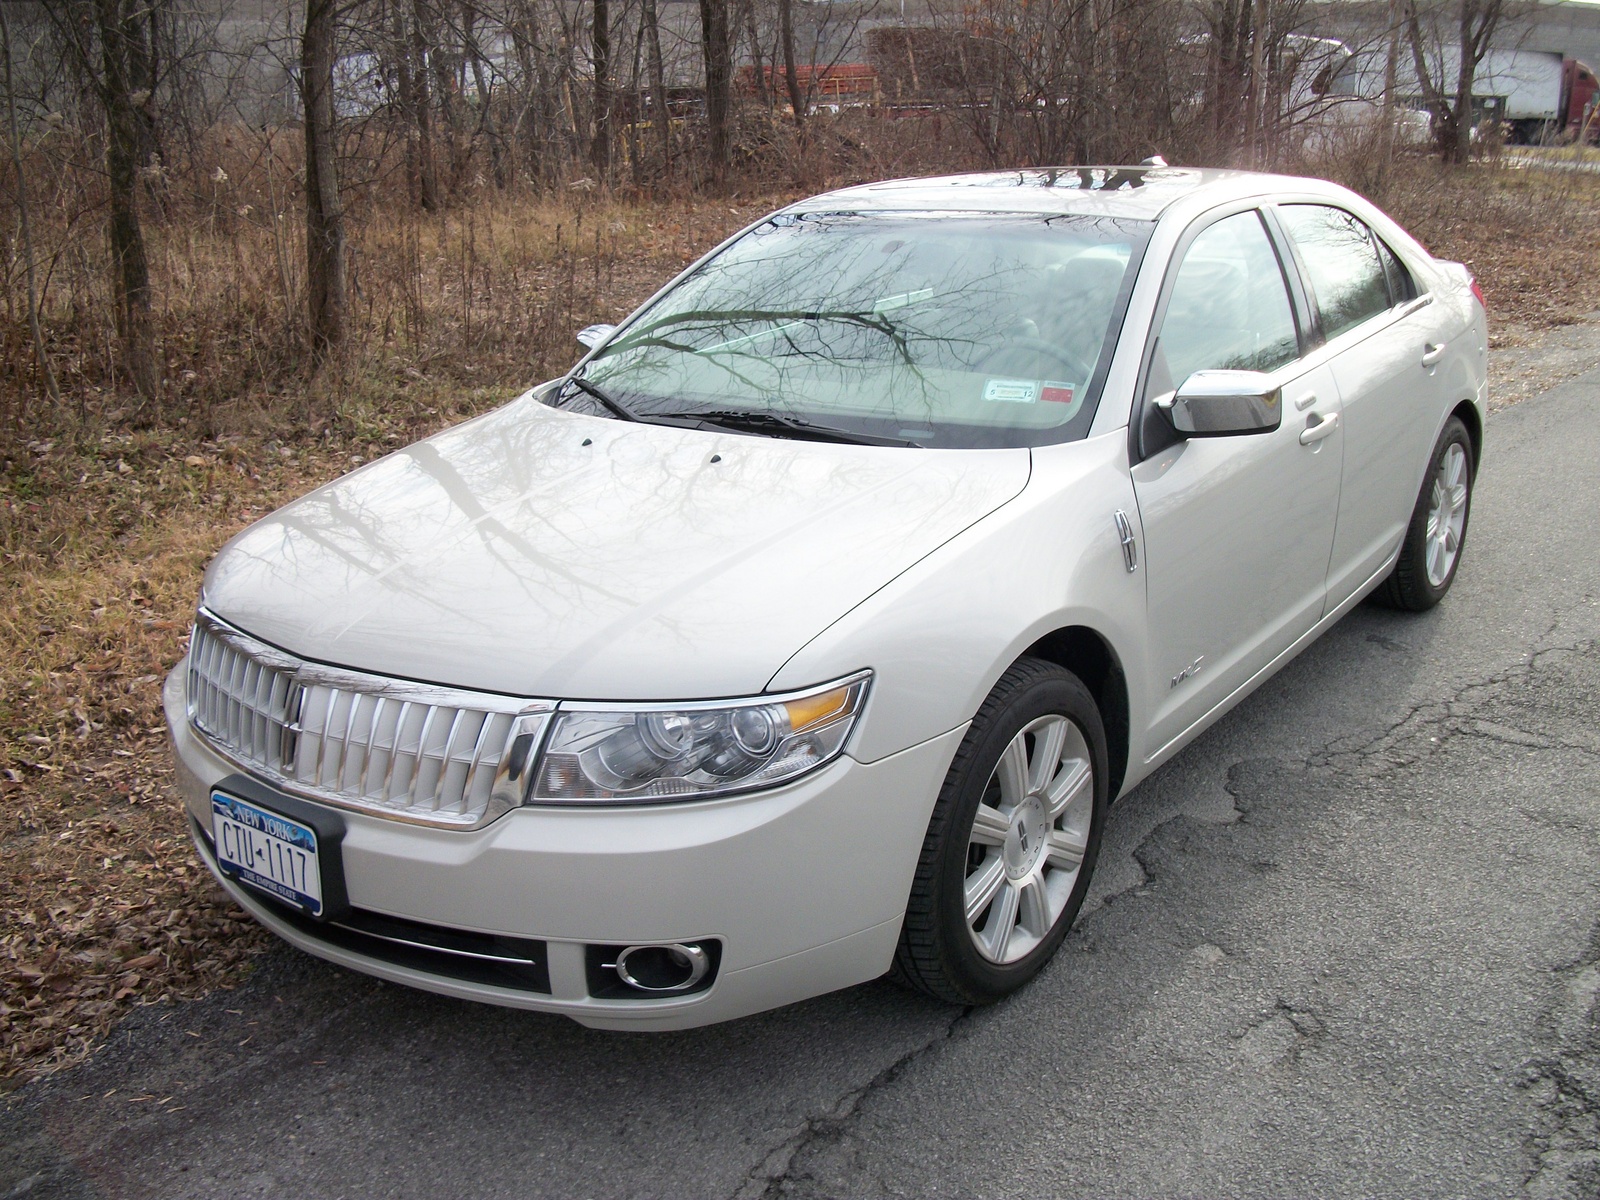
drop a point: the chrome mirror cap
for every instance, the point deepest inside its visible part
(592, 335)
(1223, 404)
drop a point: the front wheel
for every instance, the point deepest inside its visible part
(1431, 551)
(1012, 842)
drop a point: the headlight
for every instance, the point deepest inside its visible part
(651, 753)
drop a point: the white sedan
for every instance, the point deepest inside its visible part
(805, 631)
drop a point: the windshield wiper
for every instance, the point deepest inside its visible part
(741, 420)
(778, 425)
(615, 407)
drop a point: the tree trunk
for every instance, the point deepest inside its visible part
(658, 84)
(422, 92)
(790, 77)
(325, 246)
(407, 87)
(600, 43)
(534, 100)
(447, 82)
(1253, 107)
(1391, 70)
(716, 53)
(24, 229)
(486, 104)
(636, 108)
(763, 91)
(144, 65)
(132, 269)
(1461, 148)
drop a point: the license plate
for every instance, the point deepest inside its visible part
(267, 851)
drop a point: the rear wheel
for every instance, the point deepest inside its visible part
(1012, 842)
(1431, 551)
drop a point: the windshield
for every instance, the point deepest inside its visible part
(934, 330)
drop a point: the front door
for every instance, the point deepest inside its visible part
(1237, 530)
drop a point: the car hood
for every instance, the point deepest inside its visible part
(538, 552)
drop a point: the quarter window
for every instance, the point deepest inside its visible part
(1401, 288)
(1229, 307)
(1341, 261)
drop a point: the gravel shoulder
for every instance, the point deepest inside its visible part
(1525, 361)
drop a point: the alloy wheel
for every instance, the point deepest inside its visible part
(1028, 838)
(1447, 514)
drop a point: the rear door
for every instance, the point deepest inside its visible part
(1237, 530)
(1385, 342)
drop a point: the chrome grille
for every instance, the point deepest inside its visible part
(409, 751)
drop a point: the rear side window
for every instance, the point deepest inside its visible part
(1401, 288)
(1341, 260)
(1229, 307)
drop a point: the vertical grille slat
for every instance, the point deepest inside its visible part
(347, 744)
(386, 789)
(369, 761)
(485, 741)
(359, 741)
(416, 760)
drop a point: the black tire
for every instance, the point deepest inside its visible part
(937, 954)
(1408, 587)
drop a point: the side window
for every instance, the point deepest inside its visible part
(1229, 307)
(1342, 262)
(1401, 288)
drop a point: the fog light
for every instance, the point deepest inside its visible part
(674, 968)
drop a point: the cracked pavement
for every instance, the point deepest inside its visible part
(1348, 943)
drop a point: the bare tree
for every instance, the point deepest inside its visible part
(118, 26)
(1476, 23)
(100, 38)
(487, 105)
(658, 83)
(786, 36)
(600, 46)
(416, 96)
(717, 54)
(24, 227)
(325, 237)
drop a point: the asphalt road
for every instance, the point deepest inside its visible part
(1347, 944)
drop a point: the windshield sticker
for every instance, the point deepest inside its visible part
(1011, 391)
(890, 303)
(1056, 393)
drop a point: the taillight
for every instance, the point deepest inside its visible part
(1478, 292)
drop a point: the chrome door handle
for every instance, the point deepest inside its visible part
(1432, 352)
(1315, 433)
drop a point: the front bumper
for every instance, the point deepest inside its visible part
(803, 886)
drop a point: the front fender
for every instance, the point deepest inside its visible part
(941, 634)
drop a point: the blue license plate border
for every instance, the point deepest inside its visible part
(328, 825)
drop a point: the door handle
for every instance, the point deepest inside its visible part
(1324, 427)
(1432, 352)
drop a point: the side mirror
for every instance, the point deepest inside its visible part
(592, 335)
(1223, 404)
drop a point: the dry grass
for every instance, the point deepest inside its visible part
(104, 528)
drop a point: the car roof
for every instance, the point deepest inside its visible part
(1138, 192)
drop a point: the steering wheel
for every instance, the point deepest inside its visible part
(1021, 344)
